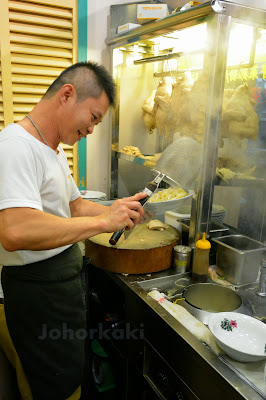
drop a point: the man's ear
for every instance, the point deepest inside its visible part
(67, 92)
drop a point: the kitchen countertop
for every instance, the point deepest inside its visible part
(245, 380)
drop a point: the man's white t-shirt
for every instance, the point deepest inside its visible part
(35, 176)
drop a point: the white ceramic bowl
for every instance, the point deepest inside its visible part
(92, 195)
(169, 205)
(243, 338)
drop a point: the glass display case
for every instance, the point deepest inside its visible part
(199, 73)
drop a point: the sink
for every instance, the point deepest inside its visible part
(200, 299)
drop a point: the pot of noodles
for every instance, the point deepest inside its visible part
(168, 199)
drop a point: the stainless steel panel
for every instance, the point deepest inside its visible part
(221, 17)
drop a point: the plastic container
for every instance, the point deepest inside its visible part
(201, 261)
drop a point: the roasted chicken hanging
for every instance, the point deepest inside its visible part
(180, 106)
(162, 107)
(147, 112)
(197, 105)
(239, 120)
(180, 94)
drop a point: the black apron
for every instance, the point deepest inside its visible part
(45, 313)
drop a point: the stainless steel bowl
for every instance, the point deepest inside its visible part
(204, 299)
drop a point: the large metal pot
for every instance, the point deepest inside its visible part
(204, 299)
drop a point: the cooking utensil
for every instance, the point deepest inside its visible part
(181, 162)
(149, 189)
(159, 207)
(212, 298)
(173, 168)
(204, 299)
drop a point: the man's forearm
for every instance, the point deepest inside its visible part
(82, 208)
(31, 229)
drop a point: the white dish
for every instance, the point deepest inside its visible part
(169, 205)
(92, 195)
(242, 337)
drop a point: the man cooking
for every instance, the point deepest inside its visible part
(41, 215)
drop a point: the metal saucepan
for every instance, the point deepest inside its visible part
(204, 299)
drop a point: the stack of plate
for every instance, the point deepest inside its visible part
(218, 212)
(93, 195)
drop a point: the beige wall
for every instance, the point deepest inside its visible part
(99, 143)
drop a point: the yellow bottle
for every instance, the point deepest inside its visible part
(201, 260)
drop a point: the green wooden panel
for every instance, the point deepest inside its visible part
(82, 56)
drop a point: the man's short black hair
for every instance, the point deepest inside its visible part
(89, 80)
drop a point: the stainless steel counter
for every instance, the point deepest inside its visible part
(193, 361)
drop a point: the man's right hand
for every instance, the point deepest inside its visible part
(124, 213)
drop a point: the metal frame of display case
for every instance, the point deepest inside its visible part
(218, 15)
